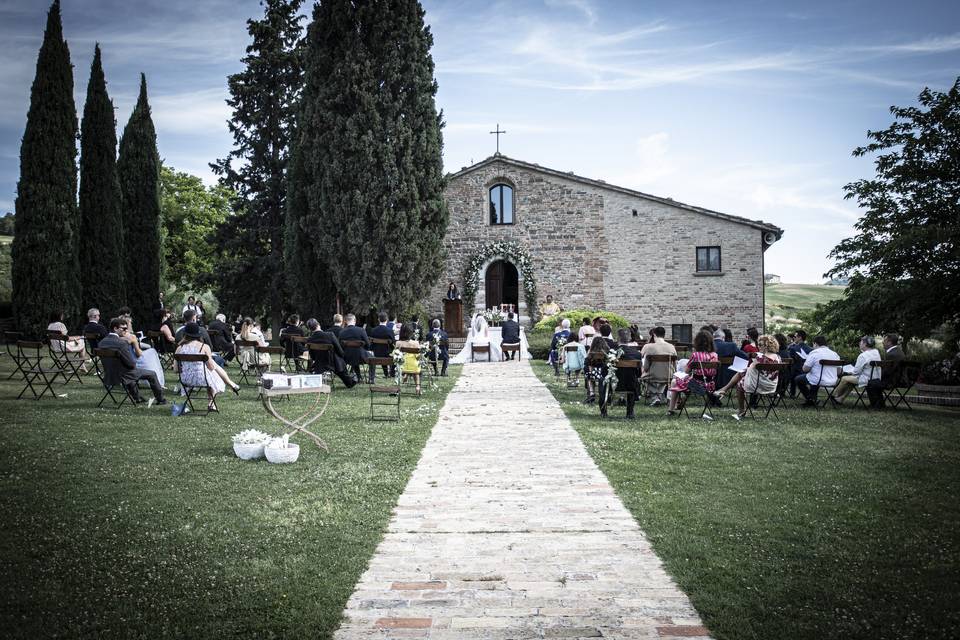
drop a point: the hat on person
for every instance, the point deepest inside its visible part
(191, 330)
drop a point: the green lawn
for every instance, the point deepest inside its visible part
(132, 523)
(787, 300)
(843, 524)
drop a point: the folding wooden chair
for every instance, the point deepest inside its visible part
(904, 374)
(479, 348)
(661, 381)
(685, 395)
(244, 359)
(65, 361)
(506, 348)
(783, 383)
(567, 348)
(358, 344)
(30, 360)
(11, 338)
(190, 389)
(88, 340)
(162, 347)
(100, 356)
(406, 377)
(625, 364)
(384, 396)
(757, 400)
(726, 361)
(293, 346)
(831, 398)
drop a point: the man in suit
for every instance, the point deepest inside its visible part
(337, 326)
(439, 347)
(334, 361)
(510, 332)
(655, 373)
(354, 356)
(190, 315)
(383, 332)
(224, 342)
(93, 326)
(798, 351)
(726, 349)
(123, 370)
(891, 377)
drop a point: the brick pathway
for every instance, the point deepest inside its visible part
(508, 529)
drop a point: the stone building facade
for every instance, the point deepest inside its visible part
(592, 244)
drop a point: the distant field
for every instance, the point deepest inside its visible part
(787, 300)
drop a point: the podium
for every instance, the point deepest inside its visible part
(453, 318)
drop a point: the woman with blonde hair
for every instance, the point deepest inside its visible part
(753, 380)
(411, 361)
(248, 355)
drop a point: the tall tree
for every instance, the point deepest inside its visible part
(101, 239)
(264, 98)
(138, 168)
(904, 264)
(366, 212)
(45, 268)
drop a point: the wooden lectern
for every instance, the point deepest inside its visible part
(453, 318)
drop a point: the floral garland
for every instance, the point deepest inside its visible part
(398, 358)
(516, 254)
(611, 379)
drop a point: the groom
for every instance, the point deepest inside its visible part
(510, 333)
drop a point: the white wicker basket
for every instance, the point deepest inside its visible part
(249, 451)
(282, 455)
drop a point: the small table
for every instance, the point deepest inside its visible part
(301, 423)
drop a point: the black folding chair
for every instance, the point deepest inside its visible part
(758, 400)
(101, 356)
(358, 344)
(244, 358)
(64, 361)
(479, 348)
(190, 389)
(11, 338)
(624, 364)
(407, 378)
(831, 390)
(685, 395)
(163, 348)
(30, 359)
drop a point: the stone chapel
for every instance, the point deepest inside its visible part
(592, 244)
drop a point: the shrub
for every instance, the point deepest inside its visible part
(576, 316)
(539, 345)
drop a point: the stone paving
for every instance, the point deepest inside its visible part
(507, 530)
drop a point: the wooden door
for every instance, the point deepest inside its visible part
(494, 284)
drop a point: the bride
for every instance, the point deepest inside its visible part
(479, 335)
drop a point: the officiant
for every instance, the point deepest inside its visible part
(452, 292)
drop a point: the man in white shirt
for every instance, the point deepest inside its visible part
(815, 375)
(862, 372)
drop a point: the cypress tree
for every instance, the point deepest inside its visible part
(138, 169)
(264, 98)
(101, 240)
(45, 268)
(366, 208)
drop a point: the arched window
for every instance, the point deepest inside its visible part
(501, 204)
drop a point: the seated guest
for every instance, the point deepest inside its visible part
(355, 356)
(798, 351)
(440, 345)
(754, 381)
(814, 374)
(334, 360)
(337, 325)
(123, 369)
(726, 349)
(164, 325)
(703, 351)
(93, 326)
(891, 377)
(383, 331)
(75, 344)
(594, 372)
(202, 374)
(191, 316)
(862, 372)
(628, 380)
(608, 345)
(292, 329)
(563, 334)
(411, 361)
(586, 333)
(573, 360)
(657, 374)
(224, 342)
(784, 344)
(248, 356)
(750, 342)
(510, 333)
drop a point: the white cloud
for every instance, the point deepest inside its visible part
(580, 5)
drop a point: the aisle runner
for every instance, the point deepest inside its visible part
(508, 529)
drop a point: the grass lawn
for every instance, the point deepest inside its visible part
(132, 523)
(843, 524)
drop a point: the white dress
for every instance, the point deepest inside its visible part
(479, 335)
(196, 374)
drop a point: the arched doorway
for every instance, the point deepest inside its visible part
(502, 285)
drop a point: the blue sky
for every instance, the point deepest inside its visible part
(750, 108)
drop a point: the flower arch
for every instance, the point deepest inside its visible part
(511, 251)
